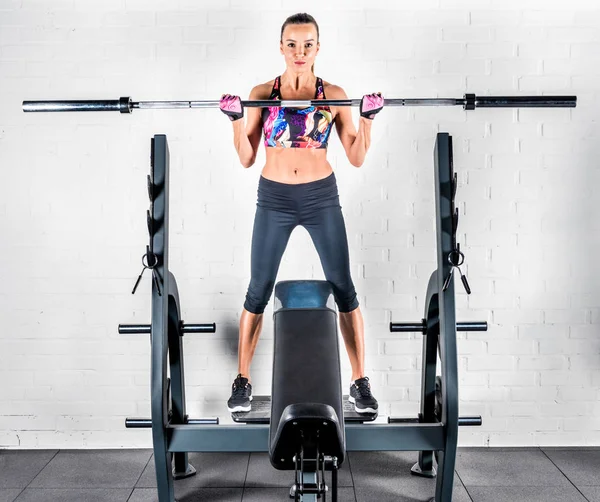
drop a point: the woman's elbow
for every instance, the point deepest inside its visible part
(246, 163)
(355, 158)
(355, 162)
(247, 158)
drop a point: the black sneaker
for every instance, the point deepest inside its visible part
(360, 395)
(241, 395)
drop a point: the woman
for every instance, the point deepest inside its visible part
(298, 187)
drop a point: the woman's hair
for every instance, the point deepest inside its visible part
(301, 18)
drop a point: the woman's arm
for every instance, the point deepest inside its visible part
(355, 143)
(246, 139)
(361, 142)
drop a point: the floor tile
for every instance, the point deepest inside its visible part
(525, 494)
(262, 474)
(93, 469)
(592, 493)
(503, 468)
(488, 474)
(409, 493)
(459, 492)
(190, 495)
(9, 494)
(74, 495)
(212, 470)
(386, 476)
(345, 494)
(581, 467)
(19, 467)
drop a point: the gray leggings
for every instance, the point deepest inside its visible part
(280, 208)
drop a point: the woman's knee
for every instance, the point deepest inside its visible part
(258, 295)
(345, 296)
(347, 304)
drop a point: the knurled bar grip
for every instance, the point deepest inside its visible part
(469, 102)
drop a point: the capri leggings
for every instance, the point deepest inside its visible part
(280, 208)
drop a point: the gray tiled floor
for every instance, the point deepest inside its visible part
(482, 475)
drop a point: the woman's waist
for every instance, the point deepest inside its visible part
(294, 168)
(316, 192)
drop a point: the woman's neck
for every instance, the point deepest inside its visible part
(298, 81)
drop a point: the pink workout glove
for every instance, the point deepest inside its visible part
(231, 106)
(370, 104)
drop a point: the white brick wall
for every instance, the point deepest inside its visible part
(73, 200)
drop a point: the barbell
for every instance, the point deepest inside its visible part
(468, 102)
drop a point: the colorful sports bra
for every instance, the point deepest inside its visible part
(297, 127)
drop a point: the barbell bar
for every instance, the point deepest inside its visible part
(468, 102)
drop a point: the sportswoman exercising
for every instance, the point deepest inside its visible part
(298, 187)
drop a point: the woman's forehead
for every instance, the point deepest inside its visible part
(300, 32)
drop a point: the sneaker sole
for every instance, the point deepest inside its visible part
(237, 409)
(361, 410)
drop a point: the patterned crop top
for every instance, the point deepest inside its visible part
(297, 127)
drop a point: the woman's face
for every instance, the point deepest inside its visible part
(299, 45)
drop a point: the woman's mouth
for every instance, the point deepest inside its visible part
(300, 62)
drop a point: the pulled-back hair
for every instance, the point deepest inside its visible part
(300, 18)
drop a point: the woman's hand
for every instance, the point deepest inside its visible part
(371, 104)
(231, 106)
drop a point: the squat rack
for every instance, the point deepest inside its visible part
(433, 432)
(174, 433)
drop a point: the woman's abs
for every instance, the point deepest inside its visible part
(294, 165)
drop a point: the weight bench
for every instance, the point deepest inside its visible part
(306, 431)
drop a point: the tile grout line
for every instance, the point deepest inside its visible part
(39, 472)
(140, 476)
(246, 477)
(567, 477)
(463, 484)
(27, 486)
(352, 477)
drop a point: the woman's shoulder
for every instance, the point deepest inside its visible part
(262, 91)
(333, 91)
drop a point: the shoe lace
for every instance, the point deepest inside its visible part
(363, 387)
(239, 387)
